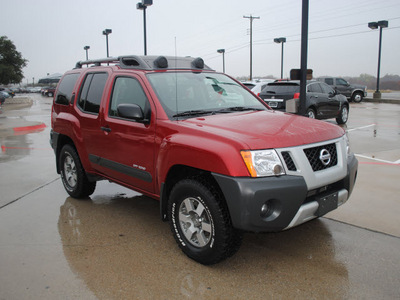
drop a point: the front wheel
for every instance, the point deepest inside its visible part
(73, 175)
(343, 116)
(200, 222)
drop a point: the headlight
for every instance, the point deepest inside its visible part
(263, 163)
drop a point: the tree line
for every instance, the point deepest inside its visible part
(387, 82)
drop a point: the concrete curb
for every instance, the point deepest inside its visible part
(393, 101)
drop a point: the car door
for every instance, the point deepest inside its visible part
(343, 87)
(128, 145)
(333, 104)
(317, 98)
(88, 107)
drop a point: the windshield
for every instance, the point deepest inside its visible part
(185, 94)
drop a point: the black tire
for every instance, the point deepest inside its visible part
(50, 94)
(311, 113)
(343, 116)
(357, 97)
(73, 175)
(200, 222)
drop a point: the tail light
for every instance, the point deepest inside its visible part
(296, 96)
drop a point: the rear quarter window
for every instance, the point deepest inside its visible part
(65, 89)
(92, 92)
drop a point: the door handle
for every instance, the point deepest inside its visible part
(106, 129)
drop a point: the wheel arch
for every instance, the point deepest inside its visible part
(61, 141)
(178, 173)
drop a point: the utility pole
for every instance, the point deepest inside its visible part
(251, 18)
(303, 59)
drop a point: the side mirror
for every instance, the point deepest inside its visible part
(131, 111)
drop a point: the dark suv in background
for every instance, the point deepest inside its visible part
(353, 92)
(322, 101)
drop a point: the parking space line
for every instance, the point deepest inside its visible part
(362, 127)
(379, 160)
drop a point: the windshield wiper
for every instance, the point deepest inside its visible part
(237, 108)
(192, 113)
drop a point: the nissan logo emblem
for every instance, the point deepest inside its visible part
(325, 157)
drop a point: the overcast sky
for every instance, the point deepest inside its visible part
(51, 34)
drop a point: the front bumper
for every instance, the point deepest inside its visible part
(271, 204)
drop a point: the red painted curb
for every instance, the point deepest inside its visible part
(28, 129)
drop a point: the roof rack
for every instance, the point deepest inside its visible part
(149, 62)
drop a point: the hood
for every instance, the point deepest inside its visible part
(266, 129)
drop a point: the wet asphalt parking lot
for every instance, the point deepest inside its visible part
(114, 245)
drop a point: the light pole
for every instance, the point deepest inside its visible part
(223, 58)
(143, 6)
(86, 48)
(281, 40)
(381, 25)
(106, 32)
(251, 43)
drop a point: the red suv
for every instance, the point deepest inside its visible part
(218, 159)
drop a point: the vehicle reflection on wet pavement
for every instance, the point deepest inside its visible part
(120, 248)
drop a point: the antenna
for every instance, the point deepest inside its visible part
(176, 80)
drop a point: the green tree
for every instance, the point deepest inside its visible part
(11, 62)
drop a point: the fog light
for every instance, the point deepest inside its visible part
(267, 209)
(270, 210)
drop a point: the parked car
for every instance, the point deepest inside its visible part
(8, 91)
(322, 101)
(5, 95)
(35, 89)
(217, 158)
(257, 85)
(353, 92)
(49, 91)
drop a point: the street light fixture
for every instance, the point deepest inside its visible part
(380, 25)
(86, 48)
(281, 40)
(143, 6)
(106, 32)
(223, 58)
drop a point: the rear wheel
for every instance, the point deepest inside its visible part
(357, 97)
(200, 222)
(343, 116)
(73, 175)
(311, 113)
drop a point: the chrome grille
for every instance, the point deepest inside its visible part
(314, 157)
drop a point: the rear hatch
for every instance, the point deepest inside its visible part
(275, 94)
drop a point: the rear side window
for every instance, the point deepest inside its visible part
(314, 88)
(329, 81)
(92, 91)
(65, 89)
(327, 89)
